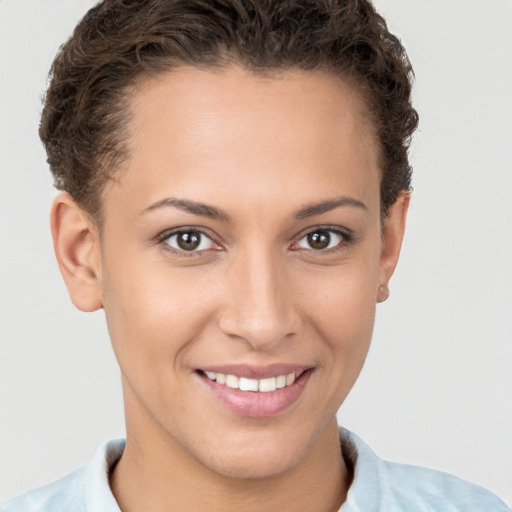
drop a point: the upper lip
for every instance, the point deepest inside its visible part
(257, 372)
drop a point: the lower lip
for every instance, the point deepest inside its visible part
(256, 404)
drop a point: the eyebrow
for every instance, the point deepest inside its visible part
(190, 206)
(211, 212)
(326, 206)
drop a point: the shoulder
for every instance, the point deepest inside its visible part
(86, 489)
(68, 493)
(410, 485)
(380, 485)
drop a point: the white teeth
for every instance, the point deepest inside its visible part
(262, 385)
(266, 385)
(281, 381)
(232, 381)
(248, 384)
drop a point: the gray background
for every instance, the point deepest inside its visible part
(437, 386)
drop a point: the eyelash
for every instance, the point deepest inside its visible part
(164, 238)
(347, 238)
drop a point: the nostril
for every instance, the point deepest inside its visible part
(258, 309)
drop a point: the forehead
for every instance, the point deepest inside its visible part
(202, 130)
(208, 98)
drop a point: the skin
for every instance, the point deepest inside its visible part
(259, 149)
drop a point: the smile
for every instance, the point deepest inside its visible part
(256, 392)
(266, 385)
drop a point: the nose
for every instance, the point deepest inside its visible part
(259, 305)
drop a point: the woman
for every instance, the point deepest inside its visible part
(236, 187)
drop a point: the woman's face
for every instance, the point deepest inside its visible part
(243, 243)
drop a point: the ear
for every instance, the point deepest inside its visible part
(77, 248)
(392, 236)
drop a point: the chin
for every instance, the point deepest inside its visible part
(251, 468)
(252, 460)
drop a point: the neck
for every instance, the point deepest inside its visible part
(163, 476)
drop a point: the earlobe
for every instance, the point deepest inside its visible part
(77, 248)
(392, 237)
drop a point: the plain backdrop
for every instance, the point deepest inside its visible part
(437, 386)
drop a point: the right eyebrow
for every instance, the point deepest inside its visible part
(330, 204)
(194, 207)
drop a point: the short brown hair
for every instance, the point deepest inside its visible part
(120, 41)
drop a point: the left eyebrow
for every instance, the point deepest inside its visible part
(193, 207)
(325, 206)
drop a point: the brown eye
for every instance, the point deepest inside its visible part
(321, 239)
(189, 241)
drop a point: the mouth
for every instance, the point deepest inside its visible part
(266, 385)
(256, 393)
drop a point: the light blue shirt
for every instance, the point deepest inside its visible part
(378, 486)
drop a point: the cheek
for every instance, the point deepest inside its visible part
(341, 308)
(344, 297)
(346, 318)
(153, 314)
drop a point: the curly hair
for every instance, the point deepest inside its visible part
(118, 42)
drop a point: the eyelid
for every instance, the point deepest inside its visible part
(168, 233)
(345, 233)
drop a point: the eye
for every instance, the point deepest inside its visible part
(322, 239)
(190, 240)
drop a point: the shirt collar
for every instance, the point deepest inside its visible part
(367, 492)
(98, 494)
